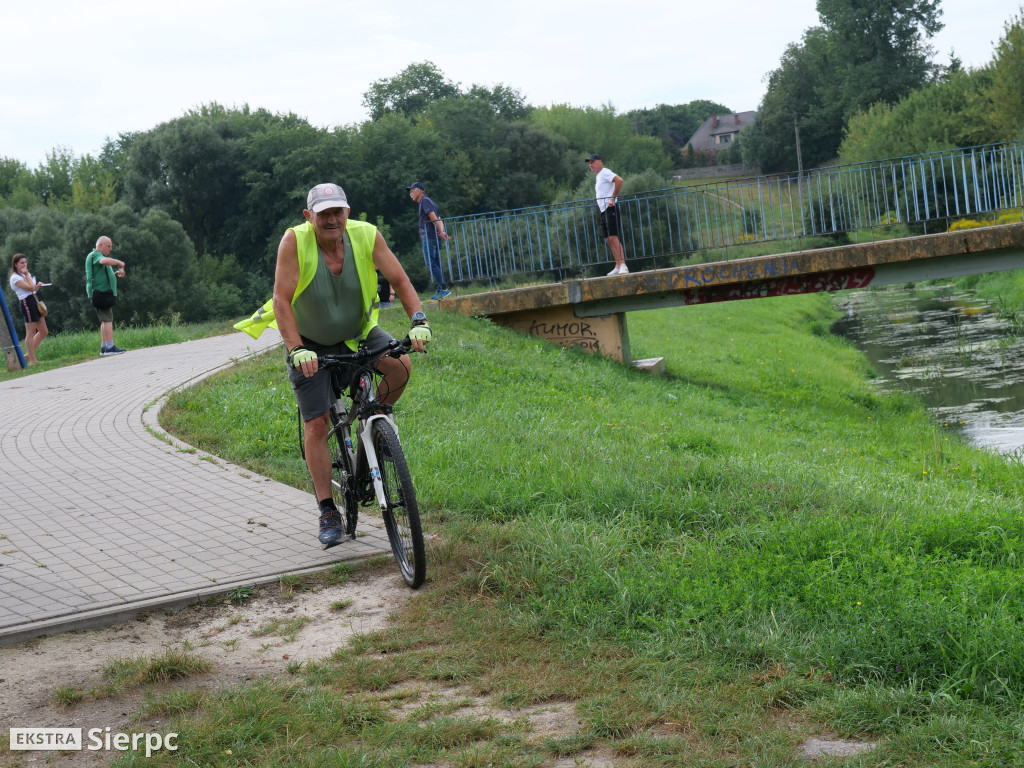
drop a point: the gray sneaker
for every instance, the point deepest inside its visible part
(331, 529)
(113, 351)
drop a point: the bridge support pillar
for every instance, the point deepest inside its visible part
(606, 335)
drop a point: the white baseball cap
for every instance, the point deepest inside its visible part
(324, 196)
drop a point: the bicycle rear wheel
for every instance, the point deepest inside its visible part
(402, 516)
(342, 482)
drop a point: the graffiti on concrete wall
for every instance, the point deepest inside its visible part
(604, 335)
(768, 269)
(578, 333)
(840, 280)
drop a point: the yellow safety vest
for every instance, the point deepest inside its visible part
(362, 236)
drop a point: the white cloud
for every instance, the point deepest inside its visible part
(76, 73)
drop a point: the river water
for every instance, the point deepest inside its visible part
(948, 348)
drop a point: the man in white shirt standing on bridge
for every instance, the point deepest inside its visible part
(606, 188)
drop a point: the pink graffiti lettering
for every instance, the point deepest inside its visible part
(827, 281)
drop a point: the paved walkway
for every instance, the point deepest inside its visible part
(101, 519)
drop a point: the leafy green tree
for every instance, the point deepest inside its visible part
(674, 124)
(409, 92)
(165, 281)
(493, 163)
(538, 165)
(282, 161)
(942, 115)
(228, 176)
(29, 232)
(506, 103)
(1006, 91)
(14, 175)
(795, 98)
(864, 52)
(193, 168)
(53, 179)
(878, 49)
(390, 154)
(602, 130)
(93, 185)
(13, 221)
(474, 152)
(23, 199)
(47, 232)
(472, 159)
(113, 159)
(226, 286)
(465, 146)
(63, 181)
(586, 129)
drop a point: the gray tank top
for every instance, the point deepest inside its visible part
(330, 309)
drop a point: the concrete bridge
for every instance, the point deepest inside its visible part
(591, 313)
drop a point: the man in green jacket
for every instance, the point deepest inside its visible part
(101, 288)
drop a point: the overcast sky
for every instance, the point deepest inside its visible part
(76, 73)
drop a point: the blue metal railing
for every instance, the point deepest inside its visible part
(566, 238)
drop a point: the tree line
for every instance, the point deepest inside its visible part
(196, 206)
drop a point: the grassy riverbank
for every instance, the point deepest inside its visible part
(711, 566)
(1004, 289)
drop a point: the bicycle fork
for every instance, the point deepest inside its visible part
(365, 437)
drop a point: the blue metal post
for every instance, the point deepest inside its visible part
(13, 332)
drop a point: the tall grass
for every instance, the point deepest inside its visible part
(62, 349)
(761, 507)
(1005, 287)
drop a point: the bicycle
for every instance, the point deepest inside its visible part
(373, 468)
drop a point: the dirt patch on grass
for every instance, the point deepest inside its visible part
(260, 636)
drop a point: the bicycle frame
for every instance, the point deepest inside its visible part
(356, 467)
(363, 402)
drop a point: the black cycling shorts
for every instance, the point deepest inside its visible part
(315, 395)
(610, 221)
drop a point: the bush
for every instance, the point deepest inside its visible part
(962, 224)
(751, 222)
(819, 220)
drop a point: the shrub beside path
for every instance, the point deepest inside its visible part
(103, 515)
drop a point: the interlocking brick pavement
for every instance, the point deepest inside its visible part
(103, 515)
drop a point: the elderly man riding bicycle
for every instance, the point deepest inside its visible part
(325, 301)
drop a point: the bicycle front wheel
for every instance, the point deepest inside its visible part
(402, 516)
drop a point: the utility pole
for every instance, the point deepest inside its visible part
(799, 159)
(799, 164)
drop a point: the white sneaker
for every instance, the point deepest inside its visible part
(614, 272)
(623, 270)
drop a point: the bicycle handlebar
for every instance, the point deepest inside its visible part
(395, 348)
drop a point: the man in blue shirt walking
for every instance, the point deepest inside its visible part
(431, 230)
